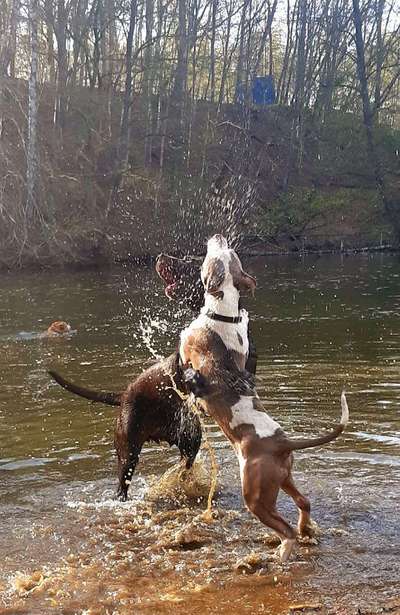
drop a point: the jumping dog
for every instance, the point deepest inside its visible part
(149, 409)
(213, 352)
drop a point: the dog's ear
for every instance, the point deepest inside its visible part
(246, 282)
(212, 274)
(242, 280)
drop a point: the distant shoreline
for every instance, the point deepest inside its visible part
(146, 260)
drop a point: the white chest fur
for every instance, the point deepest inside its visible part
(234, 335)
(244, 413)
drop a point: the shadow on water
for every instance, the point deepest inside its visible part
(68, 547)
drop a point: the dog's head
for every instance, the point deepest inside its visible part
(222, 269)
(59, 327)
(182, 279)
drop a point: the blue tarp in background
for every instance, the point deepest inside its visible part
(262, 91)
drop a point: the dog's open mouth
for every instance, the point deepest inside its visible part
(170, 290)
(165, 272)
(182, 280)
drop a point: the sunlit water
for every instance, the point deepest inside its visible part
(320, 324)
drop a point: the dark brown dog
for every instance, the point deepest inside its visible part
(150, 410)
(182, 279)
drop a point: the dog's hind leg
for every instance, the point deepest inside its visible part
(272, 519)
(302, 503)
(189, 434)
(264, 509)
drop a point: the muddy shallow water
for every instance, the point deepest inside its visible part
(67, 546)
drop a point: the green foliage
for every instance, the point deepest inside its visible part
(388, 140)
(304, 215)
(341, 146)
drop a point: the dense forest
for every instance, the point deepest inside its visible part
(131, 126)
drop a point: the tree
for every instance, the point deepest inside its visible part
(32, 154)
(390, 202)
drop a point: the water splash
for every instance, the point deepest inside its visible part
(178, 484)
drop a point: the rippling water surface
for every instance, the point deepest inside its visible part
(320, 324)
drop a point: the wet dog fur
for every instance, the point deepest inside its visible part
(58, 328)
(149, 409)
(214, 354)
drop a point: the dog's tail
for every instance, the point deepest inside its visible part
(297, 444)
(112, 399)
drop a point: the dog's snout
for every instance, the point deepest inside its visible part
(217, 241)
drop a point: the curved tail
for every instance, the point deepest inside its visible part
(297, 444)
(109, 398)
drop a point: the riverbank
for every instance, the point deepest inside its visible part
(238, 178)
(149, 260)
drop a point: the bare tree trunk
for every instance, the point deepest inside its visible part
(267, 34)
(62, 59)
(148, 82)
(212, 48)
(97, 35)
(379, 52)
(124, 131)
(158, 67)
(79, 33)
(50, 43)
(247, 55)
(49, 18)
(193, 32)
(227, 55)
(104, 59)
(285, 75)
(391, 204)
(126, 110)
(178, 98)
(111, 64)
(8, 35)
(296, 133)
(181, 65)
(298, 96)
(271, 52)
(32, 154)
(239, 92)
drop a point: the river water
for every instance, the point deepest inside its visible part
(66, 545)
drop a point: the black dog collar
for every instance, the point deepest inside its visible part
(220, 317)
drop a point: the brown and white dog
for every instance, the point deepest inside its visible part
(58, 328)
(213, 351)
